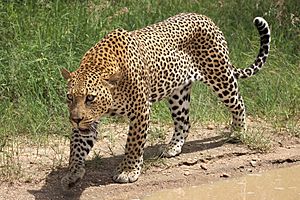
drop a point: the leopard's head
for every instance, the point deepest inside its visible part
(89, 96)
(91, 86)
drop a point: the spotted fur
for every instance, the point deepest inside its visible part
(126, 72)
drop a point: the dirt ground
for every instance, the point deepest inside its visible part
(206, 157)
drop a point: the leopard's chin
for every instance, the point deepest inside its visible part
(84, 129)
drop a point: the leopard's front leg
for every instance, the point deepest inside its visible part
(130, 168)
(80, 145)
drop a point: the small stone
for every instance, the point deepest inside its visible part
(241, 168)
(203, 166)
(210, 127)
(253, 163)
(225, 175)
(187, 173)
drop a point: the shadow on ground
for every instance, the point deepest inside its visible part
(99, 171)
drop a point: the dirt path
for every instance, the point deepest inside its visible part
(206, 157)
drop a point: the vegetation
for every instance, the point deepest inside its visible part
(38, 38)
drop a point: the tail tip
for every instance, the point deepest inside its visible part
(259, 21)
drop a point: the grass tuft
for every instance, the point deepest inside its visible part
(257, 140)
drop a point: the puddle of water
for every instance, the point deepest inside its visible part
(279, 184)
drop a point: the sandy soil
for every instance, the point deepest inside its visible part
(206, 157)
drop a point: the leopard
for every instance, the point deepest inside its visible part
(127, 71)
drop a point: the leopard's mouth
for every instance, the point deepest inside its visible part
(86, 128)
(91, 127)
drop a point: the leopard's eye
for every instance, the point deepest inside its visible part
(69, 97)
(90, 98)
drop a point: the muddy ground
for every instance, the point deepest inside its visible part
(206, 157)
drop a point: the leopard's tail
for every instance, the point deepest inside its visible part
(265, 39)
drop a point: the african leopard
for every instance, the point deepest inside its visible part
(125, 72)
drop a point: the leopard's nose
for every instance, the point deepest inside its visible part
(77, 120)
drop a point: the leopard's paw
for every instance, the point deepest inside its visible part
(171, 151)
(126, 176)
(69, 180)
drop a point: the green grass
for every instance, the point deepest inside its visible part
(38, 38)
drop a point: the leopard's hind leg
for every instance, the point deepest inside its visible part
(179, 104)
(226, 88)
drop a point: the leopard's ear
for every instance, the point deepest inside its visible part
(65, 73)
(114, 79)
